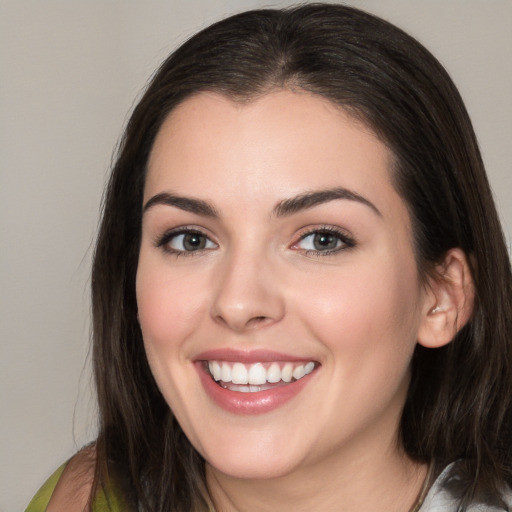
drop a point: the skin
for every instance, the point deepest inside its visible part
(358, 312)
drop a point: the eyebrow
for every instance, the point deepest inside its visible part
(282, 209)
(188, 204)
(315, 198)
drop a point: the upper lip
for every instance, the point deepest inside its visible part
(248, 356)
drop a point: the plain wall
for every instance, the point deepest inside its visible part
(69, 74)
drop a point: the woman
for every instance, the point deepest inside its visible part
(301, 292)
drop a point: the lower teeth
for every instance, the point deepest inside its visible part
(248, 388)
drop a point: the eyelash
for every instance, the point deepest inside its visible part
(346, 241)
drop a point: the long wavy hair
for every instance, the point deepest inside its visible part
(459, 401)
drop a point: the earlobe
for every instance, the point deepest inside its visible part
(449, 301)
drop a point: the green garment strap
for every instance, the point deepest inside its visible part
(102, 503)
(42, 498)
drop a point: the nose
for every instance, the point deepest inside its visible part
(248, 295)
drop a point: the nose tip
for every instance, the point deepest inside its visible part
(247, 297)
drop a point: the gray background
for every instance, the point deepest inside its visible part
(70, 73)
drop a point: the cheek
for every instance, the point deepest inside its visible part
(367, 311)
(168, 313)
(366, 319)
(167, 305)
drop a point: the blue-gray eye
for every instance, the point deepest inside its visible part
(321, 241)
(189, 242)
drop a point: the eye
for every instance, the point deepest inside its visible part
(186, 241)
(324, 241)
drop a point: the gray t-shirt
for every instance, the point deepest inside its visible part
(439, 498)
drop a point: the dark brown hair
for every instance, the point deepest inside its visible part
(459, 401)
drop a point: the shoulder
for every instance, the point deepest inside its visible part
(68, 489)
(74, 486)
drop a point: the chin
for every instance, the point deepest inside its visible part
(251, 458)
(256, 469)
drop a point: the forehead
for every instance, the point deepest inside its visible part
(278, 145)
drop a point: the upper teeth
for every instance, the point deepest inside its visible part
(258, 373)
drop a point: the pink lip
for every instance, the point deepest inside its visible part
(248, 403)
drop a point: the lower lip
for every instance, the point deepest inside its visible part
(258, 402)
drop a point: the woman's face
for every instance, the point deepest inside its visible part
(278, 293)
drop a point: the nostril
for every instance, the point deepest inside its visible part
(257, 320)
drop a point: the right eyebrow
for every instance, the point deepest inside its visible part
(188, 204)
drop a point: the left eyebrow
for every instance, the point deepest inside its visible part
(315, 198)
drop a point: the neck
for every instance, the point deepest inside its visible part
(387, 481)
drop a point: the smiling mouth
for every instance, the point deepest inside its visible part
(252, 378)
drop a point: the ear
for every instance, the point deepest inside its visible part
(448, 302)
